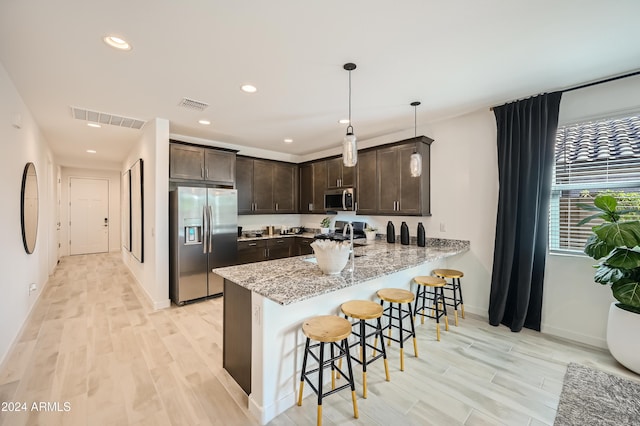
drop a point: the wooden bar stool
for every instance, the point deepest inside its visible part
(363, 310)
(431, 289)
(455, 288)
(333, 330)
(398, 296)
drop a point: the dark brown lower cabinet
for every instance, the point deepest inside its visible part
(252, 251)
(303, 246)
(236, 347)
(279, 248)
(268, 249)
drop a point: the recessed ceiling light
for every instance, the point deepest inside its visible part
(117, 42)
(94, 125)
(344, 121)
(91, 151)
(248, 88)
(288, 140)
(205, 122)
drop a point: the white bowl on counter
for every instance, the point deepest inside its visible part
(332, 256)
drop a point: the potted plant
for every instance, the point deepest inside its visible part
(325, 224)
(370, 232)
(615, 243)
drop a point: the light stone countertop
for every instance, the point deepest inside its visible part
(291, 280)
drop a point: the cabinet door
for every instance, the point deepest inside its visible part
(284, 187)
(334, 173)
(252, 251)
(279, 248)
(367, 190)
(306, 188)
(388, 180)
(319, 185)
(409, 195)
(263, 186)
(244, 184)
(303, 246)
(349, 174)
(186, 162)
(220, 166)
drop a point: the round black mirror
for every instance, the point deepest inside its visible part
(29, 207)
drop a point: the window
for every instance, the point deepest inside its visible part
(590, 158)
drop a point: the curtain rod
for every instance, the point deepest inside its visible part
(593, 83)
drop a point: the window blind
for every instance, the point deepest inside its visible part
(592, 158)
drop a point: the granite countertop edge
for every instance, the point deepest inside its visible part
(294, 279)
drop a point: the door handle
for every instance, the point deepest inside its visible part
(205, 232)
(210, 228)
(344, 199)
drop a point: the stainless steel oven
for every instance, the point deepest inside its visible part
(339, 199)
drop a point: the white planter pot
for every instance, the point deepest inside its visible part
(622, 337)
(371, 235)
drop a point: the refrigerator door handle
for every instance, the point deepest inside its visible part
(205, 232)
(210, 228)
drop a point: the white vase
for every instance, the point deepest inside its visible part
(324, 230)
(331, 256)
(371, 235)
(622, 337)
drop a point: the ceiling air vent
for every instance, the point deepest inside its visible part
(193, 104)
(105, 118)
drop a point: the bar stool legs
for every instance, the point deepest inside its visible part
(395, 313)
(363, 310)
(334, 331)
(455, 287)
(431, 289)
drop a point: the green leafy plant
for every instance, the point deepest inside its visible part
(370, 228)
(615, 243)
(326, 222)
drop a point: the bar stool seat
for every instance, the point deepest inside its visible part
(398, 296)
(325, 329)
(454, 286)
(363, 310)
(431, 289)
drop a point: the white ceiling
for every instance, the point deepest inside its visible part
(454, 56)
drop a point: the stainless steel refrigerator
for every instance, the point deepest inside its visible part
(203, 235)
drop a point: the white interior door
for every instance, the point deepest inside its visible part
(88, 216)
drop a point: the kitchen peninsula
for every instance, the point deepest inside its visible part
(265, 304)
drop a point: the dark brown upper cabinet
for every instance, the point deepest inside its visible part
(339, 176)
(313, 183)
(266, 186)
(367, 189)
(197, 163)
(398, 192)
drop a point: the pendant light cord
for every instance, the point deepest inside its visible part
(350, 126)
(415, 121)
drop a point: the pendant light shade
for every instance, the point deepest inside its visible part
(415, 162)
(349, 146)
(349, 149)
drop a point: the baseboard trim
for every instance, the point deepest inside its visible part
(573, 336)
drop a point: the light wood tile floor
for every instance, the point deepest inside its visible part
(93, 342)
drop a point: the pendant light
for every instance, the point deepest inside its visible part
(349, 147)
(415, 163)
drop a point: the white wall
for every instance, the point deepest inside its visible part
(153, 273)
(20, 269)
(113, 176)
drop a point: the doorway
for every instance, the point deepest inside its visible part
(88, 216)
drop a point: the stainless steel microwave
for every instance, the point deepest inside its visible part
(339, 199)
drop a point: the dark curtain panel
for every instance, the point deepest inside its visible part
(526, 139)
